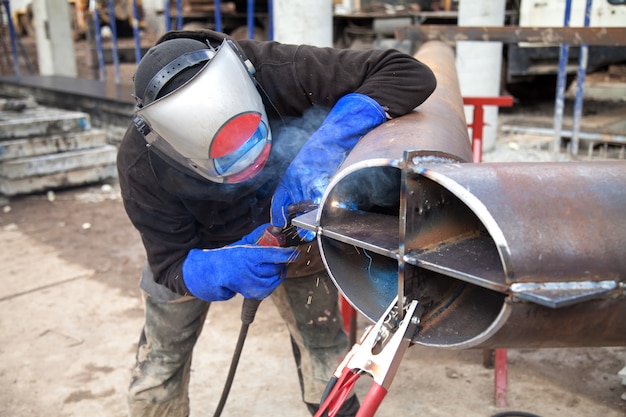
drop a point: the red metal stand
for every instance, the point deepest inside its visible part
(500, 377)
(348, 313)
(478, 119)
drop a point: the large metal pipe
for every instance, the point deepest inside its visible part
(499, 255)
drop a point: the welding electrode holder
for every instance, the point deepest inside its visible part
(278, 236)
(273, 236)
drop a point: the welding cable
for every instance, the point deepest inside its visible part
(270, 237)
(515, 414)
(248, 311)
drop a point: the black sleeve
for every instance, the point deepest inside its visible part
(167, 229)
(297, 77)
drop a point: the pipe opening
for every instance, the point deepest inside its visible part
(449, 258)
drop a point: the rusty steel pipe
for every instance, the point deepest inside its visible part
(500, 255)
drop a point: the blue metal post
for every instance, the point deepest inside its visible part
(218, 15)
(116, 58)
(168, 17)
(179, 14)
(16, 62)
(560, 87)
(270, 23)
(93, 7)
(250, 19)
(136, 33)
(582, 71)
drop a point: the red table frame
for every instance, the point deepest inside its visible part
(478, 122)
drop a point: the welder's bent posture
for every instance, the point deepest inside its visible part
(213, 154)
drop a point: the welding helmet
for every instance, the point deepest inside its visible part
(200, 107)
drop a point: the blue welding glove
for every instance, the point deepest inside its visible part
(310, 172)
(241, 267)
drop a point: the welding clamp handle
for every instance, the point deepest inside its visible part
(372, 401)
(337, 391)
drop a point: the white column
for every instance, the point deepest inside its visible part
(309, 22)
(55, 46)
(155, 23)
(479, 63)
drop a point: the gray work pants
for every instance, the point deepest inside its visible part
(308, 305)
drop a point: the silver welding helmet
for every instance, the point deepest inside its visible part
(213, 121)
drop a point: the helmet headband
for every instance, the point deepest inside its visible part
(171, 70)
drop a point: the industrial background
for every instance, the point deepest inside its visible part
(532, 82)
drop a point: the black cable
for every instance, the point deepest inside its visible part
(248, 311)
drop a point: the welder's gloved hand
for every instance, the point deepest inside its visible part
(310, 172)
(242, 267)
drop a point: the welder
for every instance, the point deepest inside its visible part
(222, 146)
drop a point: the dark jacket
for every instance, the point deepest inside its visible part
(175, 212)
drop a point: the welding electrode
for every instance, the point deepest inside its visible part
(272, 236)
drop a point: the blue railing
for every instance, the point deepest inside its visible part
(97, 26)
(13, 37)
